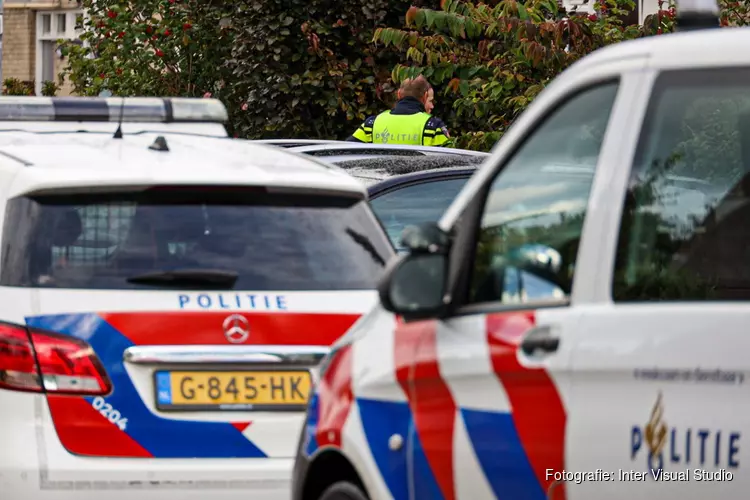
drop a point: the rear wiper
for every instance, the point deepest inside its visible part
(365, 243)
(187, 278)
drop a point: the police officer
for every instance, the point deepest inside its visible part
(409, 122)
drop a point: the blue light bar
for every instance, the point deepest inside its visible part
(108, 109)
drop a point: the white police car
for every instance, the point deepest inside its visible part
(625, 186)
(164, 291)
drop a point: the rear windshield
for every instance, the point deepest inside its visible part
(271, 242)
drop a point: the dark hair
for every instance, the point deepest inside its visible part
(415, 87)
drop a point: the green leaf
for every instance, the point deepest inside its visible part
(523, 14)
(420, 19)
(429, 16)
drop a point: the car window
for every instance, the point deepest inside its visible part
(415, 204)
(272, 241)
(684, 233)
(534, 211)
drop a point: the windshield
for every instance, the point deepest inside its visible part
(268, 241)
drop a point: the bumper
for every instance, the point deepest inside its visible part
(26, 485)
(35, 466)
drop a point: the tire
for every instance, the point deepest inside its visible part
(343, 491)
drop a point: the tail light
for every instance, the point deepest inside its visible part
(38, 361)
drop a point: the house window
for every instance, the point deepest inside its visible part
(51, 28)
(61, 22)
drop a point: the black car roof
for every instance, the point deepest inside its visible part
(375, 170)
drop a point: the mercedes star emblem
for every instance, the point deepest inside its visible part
(236, 328)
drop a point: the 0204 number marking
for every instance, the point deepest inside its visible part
(109, 413)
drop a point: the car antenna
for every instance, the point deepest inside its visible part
(118, 132)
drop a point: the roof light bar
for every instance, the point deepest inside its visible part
(697, 15)
(109, 109)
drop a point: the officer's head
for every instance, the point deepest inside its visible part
(420, 89)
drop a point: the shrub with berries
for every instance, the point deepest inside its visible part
(309, 68)
(149, 48)
(489, 59)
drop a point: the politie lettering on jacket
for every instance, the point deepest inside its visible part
(386, 137)
(661, 444)
(243, 301)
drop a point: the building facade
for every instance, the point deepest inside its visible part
(643, 8)
(32, 30)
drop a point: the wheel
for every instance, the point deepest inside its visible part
(343, 491)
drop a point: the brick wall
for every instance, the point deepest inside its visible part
(19, 43)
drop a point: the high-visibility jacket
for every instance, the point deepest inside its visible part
(407, 123)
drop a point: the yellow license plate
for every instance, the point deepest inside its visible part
(220, 390)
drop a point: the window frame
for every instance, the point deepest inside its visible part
(661, 82)
(70, 33)
(467, 227)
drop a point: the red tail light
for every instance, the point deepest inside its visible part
(37, 361)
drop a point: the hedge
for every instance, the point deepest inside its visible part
(315, 69)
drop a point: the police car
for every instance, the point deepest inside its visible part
(625, 187)
(164, 291)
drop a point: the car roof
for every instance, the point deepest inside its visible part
(38, 161)
(347, 150)
(423, 175)
(374, 170)
(682, 50)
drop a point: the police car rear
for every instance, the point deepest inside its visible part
(163, 297)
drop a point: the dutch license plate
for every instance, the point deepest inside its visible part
(222, 390)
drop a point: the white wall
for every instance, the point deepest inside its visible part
(645, 7)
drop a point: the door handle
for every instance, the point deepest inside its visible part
(540, 339)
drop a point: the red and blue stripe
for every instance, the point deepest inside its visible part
(513, 449)
(82, 430)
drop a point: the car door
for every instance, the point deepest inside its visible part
(419, 201)
(489, 388)
(668, 330)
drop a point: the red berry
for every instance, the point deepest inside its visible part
(659, 31)
(100, 24)
(187, 26)
(159, 53)
(167, 32)
(111, 14)
(171, 1)
(155, 37)
(592, 17)
(107, 34)
(121, 34)
(149, 29)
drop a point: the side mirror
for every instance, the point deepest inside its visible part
(414, 285)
